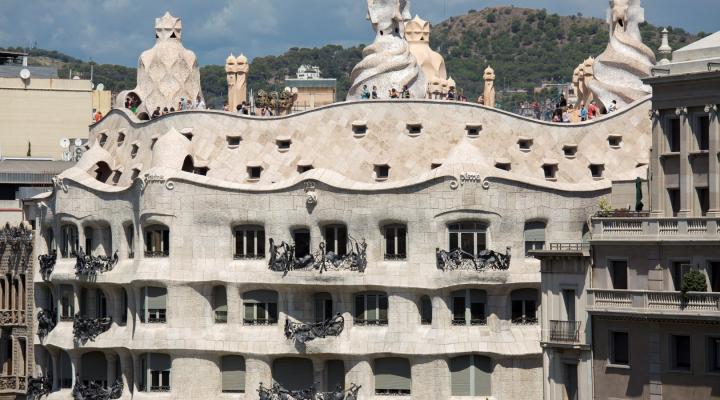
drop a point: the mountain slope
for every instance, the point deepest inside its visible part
(524, 46)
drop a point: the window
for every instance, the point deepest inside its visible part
(473, 130)
(89, 240)
(232, 369)
(619, 348)
(254, 173)
(680, 352)
(534, 236)
(154, 308)
(703, 198)
(157, 241)
(678, 270)
(550, 171)
(382, 172)
(392, 376)
(395, 242)
(103, 139)
(336, 238)
(571, 380)
(674, 200)
(116, 177)
(569, 304)
(674, 135)
(70, 241)
(93, 368)
(470, 237)
(129, 240)
(304, 168)
(260, 307)
(414, 129)
(425, 310)
(233, 142)
(619, 274)
(614, 141)
(134, 151)
(323, 307)
(301, 237)
(570, 150)
(713, 352)
(249, 243)
(188, 164)
(283, 145)
(156, 372)
(359, 129)
(293, 373)
(371, 308)
(135, 174)
(124, 305)
(525, 144)
(67, 302)
(468, 307)
(219, 302)
(596, 170)
(471, 375)
(714, 275)
(505, 166)
(121, 139)
(334, 375)
(524, 306)
(435, 165)
(702, 133)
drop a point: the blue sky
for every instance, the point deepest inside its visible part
(116, 31)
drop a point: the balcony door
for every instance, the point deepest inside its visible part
(568, 296)
(571, 382)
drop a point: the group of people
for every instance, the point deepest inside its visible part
(582, 112)
(133, 103)
(405, 94)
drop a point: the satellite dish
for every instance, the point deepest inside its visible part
(92, 85)
(100, 87)
(25, 74)
(78, 142)
(65, 143)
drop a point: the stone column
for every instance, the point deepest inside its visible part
(657, 181)
(55, 360)
(76, 298)
(319, 375)
(686, 182)
(360, 373)
(75, 364)
(259, 371)
(714, 166)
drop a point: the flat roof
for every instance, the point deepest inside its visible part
(311, 83)
(29, 171)
(13, 71)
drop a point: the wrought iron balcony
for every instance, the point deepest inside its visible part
(277, 392)
(248, 256)
(565, 331)
(46, 323)
(47, 264)
(525, 320)
(462, 260)
(305, 332)
(89, 265)
(88, 329)
(477, 321)
(160, 388)
(282, 258)
(395, 257)
(38, 388)
(13, 383)
(97, 391)
(156, 254)
(12, 317)
(567, 247)
(370, 322)
(673, 304)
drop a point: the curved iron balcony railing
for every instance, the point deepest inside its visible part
(46, 323)
(462, 260)
(305, 332)
(12, 317)
(37, 388)
(88, 329)
(282, 258)
(96, 391)
(278, 392)
(47, 264)
(525, 321)
(565, 331)
(89, 265)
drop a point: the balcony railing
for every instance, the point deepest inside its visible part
(88, 329)
(47, 264)
(567, 247)
(654, 302)
(89, 265)
(477, 321)
(282, 257)
(647, 228)
(13, 383)
(38, 388)
(461, 260)
(97, 390)
(278, 392)
(565, 331)
(46, 323)
(12, 317)
(305, 332)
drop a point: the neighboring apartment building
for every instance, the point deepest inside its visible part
(313, 90)
(630, 327)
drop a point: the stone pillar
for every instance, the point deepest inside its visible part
(714, 166)
(686, 182)
(55, 360)
(137, 375)
(126, 372)
(75, 364)
(657, 181)
(76, 298)
(319, 374)
(360, 373)
(258, 370)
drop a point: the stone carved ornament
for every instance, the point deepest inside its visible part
(388, 63)
(88, 329)
(282, 257)
(626, 60)
(462, 260)
(276, 392)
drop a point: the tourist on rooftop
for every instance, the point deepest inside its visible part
(565, 115)
(374, 93)
(563, 101)
(165, 111)
(172, 109)
(451, 94)
(481, 100)
(98, 116)
(156, 113)
(201, 103)
(226, 107)
(394, 94)
(613, 106)
(405, 94)
(593, 110)
(365, 94)
(583, 112)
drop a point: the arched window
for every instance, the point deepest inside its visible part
(468, 307)
(425, 310)
(249, 242)
(323, 307)
(392, 376)
(471, 375)
(70, 240)
(219, 298)
(469, 237)
(395, 242)
(157, 241)
(154, 308)
(301, 237)
(534, 236)
(102, 171)
(232, 369)
(336, 239)
(188, 164)
(371, 308)
(334, 375)
(130, 240)
(293, 373)
(93, 368)
(156, 372)
(67, 303)
(260, 307)
(524, 306)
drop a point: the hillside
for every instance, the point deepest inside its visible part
(524, 46)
